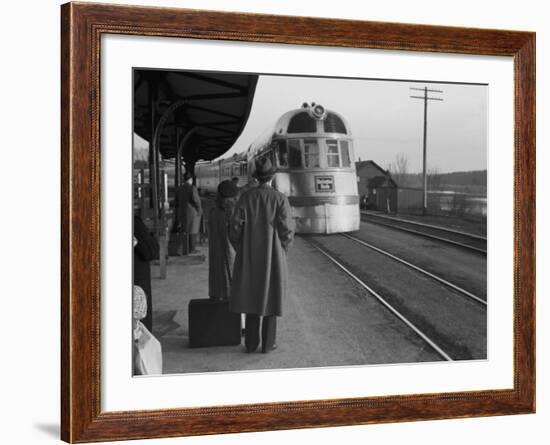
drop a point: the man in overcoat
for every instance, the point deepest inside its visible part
(189, 212)
(261, 231)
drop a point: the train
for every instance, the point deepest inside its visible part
(312, 150)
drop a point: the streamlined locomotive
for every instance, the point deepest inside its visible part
(312, 149)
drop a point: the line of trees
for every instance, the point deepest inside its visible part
(464, 181)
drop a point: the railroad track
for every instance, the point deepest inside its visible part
(417, 318)
(388, 306)
(418, 269)
(458, 238)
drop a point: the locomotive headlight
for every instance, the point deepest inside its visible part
(318, 111)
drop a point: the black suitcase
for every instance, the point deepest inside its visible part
(211, 324)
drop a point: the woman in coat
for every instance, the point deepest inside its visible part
(221, 254)
(261, 231)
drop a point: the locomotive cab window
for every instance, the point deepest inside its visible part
(333, 155)
(269, 154)
(344, 149)
(311, 153)
(282, 154)
(273, 157)
(294, 154)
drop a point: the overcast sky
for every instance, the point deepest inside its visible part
(384, 120)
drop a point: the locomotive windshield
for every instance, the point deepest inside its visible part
(282, 154)
(294, 153)
(344, 148)
(333, 155)
(313, 153)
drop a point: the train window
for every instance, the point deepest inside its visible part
(344, 148)
(302, 123)
(311, 153)
(333, 156)
(294, 154)
(282, 154)
(333, 124)
(269, 155)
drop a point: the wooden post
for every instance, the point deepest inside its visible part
(425, 98)
(141, 194)
(153, 158)
(424, 177)
(177, 178)
(163, 232)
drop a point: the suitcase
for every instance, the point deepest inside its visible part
(211, 324)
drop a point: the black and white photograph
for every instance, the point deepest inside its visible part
(260, 222)
(287, 222)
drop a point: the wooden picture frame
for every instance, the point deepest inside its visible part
(82, 26)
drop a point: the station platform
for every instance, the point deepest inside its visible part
(328, 320)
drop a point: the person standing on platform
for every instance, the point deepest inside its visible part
(235, 182)
(221, 254)
(261, 231)
(189, 210)
(146, 249)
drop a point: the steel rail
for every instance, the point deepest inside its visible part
(427, 235)
(431, 226)
(418, 269)
(388, 306)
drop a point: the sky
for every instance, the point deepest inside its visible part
(384, 120)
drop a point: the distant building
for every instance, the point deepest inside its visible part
(377, 189)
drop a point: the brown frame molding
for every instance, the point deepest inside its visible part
(82, 25)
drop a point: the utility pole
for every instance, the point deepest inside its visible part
(425, 98)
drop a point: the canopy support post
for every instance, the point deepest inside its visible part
(163, 232)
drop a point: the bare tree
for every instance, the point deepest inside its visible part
(434, 178)
(399, 169)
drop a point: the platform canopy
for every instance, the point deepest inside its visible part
(216, 105)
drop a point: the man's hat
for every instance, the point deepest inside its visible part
(264, 169)
(227, 189)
